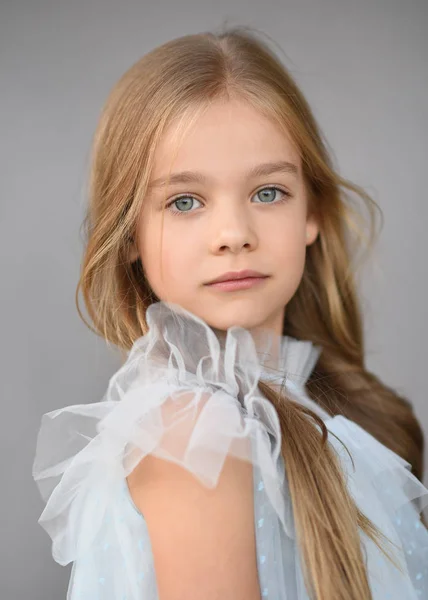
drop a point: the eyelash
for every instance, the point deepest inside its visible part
(268, 187)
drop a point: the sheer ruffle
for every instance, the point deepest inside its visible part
(190, 396)
(388, 493)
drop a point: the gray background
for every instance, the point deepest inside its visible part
(362, 66)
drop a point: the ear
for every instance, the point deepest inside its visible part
(312, 229)
(133, 253)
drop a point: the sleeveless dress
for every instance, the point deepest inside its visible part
(182, 373)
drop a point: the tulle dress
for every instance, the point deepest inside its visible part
(182, 372)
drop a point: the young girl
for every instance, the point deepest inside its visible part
(242, 451)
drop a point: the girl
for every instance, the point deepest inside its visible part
(242, 451)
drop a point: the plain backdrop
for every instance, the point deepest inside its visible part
(362, 66)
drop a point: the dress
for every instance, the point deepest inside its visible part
(84, 453)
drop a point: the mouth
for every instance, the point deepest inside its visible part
(237, 276)
(238, 280)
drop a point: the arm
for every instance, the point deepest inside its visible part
(203, 540)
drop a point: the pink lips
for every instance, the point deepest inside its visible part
(237, 280)
(232, 275)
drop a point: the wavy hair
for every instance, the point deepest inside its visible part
(175, 82)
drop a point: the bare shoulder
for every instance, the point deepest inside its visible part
(202, 539)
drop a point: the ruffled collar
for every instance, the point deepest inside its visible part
(294, 361)
(194, 346)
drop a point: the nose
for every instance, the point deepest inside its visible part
(232, 230)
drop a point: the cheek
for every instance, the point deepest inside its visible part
(287, 241)
(287, 248)
(167, 259)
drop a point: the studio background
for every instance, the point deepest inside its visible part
(362, 66)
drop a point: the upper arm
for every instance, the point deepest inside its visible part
(203, 540)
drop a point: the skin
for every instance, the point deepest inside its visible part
(225, 223)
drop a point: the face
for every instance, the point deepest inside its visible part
(241, 205)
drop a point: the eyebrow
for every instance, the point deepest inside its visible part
(258, 171)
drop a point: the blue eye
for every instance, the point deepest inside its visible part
(266, 195)
(186, 202)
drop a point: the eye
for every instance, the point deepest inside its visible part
(183, 203)
(267, 195)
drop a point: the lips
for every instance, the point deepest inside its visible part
(236, 275)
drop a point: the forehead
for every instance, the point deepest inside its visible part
(225, 139)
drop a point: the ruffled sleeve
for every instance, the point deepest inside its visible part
(183, 396)
(386, 491)
(191, 398)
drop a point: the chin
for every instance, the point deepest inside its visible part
(227, 317)
(223, 313)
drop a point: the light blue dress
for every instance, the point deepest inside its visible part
(181, 377)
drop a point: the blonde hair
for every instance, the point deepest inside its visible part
(170, 83)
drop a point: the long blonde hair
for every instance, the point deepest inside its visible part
(177, 80)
